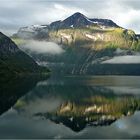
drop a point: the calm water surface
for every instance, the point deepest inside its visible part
(71, 107)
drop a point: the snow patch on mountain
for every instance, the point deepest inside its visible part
(91, 21)
(72, 26)
(65, 35)
(95, 37)
(32, 28)
(91, 37)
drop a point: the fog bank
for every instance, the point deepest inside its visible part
(123, 59)
(43, 47)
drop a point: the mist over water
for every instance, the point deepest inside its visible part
(127, 59)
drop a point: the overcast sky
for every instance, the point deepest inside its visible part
(18, 13)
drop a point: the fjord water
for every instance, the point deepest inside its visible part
(71, 107)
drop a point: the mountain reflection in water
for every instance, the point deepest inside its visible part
(12, 88)
(78, 103)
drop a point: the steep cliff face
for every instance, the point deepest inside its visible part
(13, 60)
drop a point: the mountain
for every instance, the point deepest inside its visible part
(79, 20)
(86, 42)
(98, 34)
(34, 31)
(14, 61)
(79, 30)
(75, 21)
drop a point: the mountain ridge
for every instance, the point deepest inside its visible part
(80, 20)
(76, 20)
(13, 61)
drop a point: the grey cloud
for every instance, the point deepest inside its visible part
(15, 13)
(134, 4)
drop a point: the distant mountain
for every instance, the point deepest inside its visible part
(34, 31)
(79, 20)
(75, 21)
(14, 61)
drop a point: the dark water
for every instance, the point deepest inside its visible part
(70, 107)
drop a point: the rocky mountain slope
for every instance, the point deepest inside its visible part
(14, 61)
(80, 20)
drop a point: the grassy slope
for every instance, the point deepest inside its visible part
(105, 38)
(109, 38)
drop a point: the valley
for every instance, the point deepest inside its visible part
(86, 44)
(77, 77)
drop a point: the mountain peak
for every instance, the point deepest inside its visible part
(78, 14)
(75, 20)
(80, 20)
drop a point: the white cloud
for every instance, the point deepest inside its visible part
(43, 47)
(55, 12)
(123, 59)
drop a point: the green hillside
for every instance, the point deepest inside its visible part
(96, 38)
